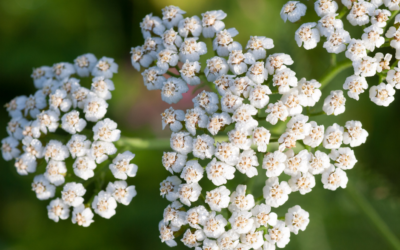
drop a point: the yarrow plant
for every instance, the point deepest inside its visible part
(226, 137)
(60, 135)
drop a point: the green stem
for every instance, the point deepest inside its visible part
(374, 217)
(332, 72)
(172, 74)
(317, 114)
(138, 144)
(342, 13)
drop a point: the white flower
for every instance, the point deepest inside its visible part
(34, 104)
(344, 158)
(296, 164)
(227, 153)
(392, 4)
(172, 90)
(308, 35)
(55, 150)
(40, 75)
(284, 79)
(72, 194)
(264, 216)
(261, 138)
(297, 219)
(247, 163)
(356, 50)
(316, 135)
(15, 126)
(238, 61)
(42, 187)
(277, 61)
(257, 73)
(181, 142)
(121, 168)
(189, 193)
(106, 130)
(333, 178)
(57, 210)
(276, 194)
(195, 117)
(309, 92)
(293, 11)
(277, 111)
(328, 24)
(215, 225)
(84, 64)
(259, 96)
(279, 234)
(151, 24)
(191, 50)
(192, 172)
(218, 199)
(223, 42)
(334, 103)
(274, 163)
(382, 94)
(380, 17)
(354, 135)
(356, 85)
(95, 108)
(298, 126)
(216, 66)
(190, 26)
(323, 7)
(173, 162)
(121, 192)
(173, 215)
(203, 147)
(139, 58)
(366, 67)
(47, 121)
(169, 188)
(191, 240)
(79, 97)
(166, 59)
(336, 41)
(83, 167)
(15, 106)
(302, 182)
(243, 116)
(228, 240)
(230, 102)
(292, 100)
(240, 201)
(173, 118)
(63, 70)
(9, 148)
(333, 136)
(372, 37)
(55, 172)
(105, 67)
(104, 205)
(383, 61)
(197, 216)
(152, 78)
(241, 86)
(253, 239)
(82, 216)
(257, 46)
(100, 151)
(287, 140)
(206, 100)
(360, 12)
(241, 221)
(71, 122)
(102, 86)
(78, 146)
(217, 121)
(25, 164)
(318, 162)
(167, 234)
(212, 22)
(268, 246)
(189, 71)
(31, 129)
(172, 15)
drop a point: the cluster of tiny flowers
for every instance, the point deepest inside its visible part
(61, 102)
(234, 219)
(374, 16)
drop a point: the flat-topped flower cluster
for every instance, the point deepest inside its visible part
(61, 132)
(376, 19)
(225, 134)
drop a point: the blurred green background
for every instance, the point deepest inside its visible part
(42, 32)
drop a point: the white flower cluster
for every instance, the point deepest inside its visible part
(61, 102)
(377, 14)
(233, 219)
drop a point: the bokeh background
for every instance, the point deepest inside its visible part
(42, 32)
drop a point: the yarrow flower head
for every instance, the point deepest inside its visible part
(63, 102)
